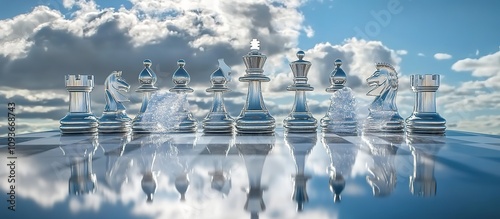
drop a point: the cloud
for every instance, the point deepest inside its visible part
(309, 31)
(442, 56)
(485, 66)
(402, 52)
(421, 54)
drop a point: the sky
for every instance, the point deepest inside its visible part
(43, 40)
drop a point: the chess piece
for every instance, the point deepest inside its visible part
(342, 156)
(255, 149)
(114, 118)
(425, 119)
(254, 117)
(147, 79)
(383, 151)
(383, 116)
(218, 120)
(424, 148)
(300, 118)
(300, 145)
(181, 79)
(80, 118)
(79, 151)
(341, 115)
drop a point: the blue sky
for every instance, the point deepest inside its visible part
(458, 40)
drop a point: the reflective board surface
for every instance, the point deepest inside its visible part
(258, 176)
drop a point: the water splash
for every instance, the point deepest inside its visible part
(342, 112)
(165, 109)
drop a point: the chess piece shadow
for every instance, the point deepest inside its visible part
(423, 149)
(117, 165)
(254, 149)
(79, 150)
(383, 149)
(300, 145)
(342, 156)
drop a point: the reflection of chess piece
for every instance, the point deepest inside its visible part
(79, 150)
(300, 146)
(341, 115)
(254, 117)
(254, 150)
(425, 119)
(342, 158)
(383, 116)
(216, 152)
(218, 120)
(383, 172)
(114, 118)
(116, 165)
(147, 79)
(300, 119)
(80, 118)
(423, 148)
(149, 146)
(181, 147)
(181, 80)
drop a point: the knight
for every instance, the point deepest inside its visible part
(383, 116)
(114, 118)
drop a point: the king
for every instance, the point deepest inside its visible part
(254, 117)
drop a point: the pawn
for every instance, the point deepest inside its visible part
(218, 120)
(147, 78)
(181, 80)
(114, 119)
(341, 115)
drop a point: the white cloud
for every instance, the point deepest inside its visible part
(421, 54)
(485, 66)
(477, 52)
(402, 52)
(442, 56)
(309, 31)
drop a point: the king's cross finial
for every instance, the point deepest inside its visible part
(254, 44)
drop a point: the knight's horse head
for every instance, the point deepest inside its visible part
(383, 79)
(115, 85)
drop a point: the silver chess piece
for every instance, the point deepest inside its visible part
(218, 120)
(425, 119)
(383, 116)
(114, 118)
(80, 118)
(147, 79)
(181, 80)
(341, 115)
(254, 117)
(300, 118)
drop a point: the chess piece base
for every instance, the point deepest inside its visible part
(425, 123)
(187, 124)
(300, 122)
(218, 123)
(76, 123)
(140, 126)
(115, 122)
(344, 127)
(255, 122)
(384, 121)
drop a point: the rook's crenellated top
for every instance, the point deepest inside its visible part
(79, 81)
(425, 83)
